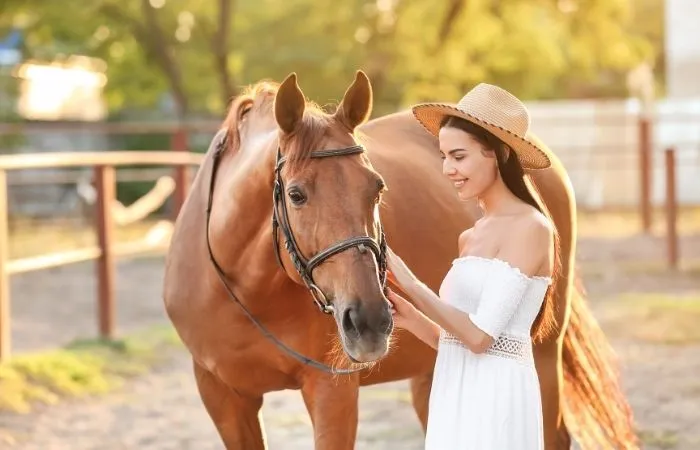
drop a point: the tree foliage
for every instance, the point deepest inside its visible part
(202, 52)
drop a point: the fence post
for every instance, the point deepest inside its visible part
(179, 143)
(645, 156)
(105, 184)
(5, 332)
(671, 208)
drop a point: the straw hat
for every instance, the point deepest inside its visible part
(494, 109)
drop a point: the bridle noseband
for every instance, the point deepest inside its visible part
(303, 266)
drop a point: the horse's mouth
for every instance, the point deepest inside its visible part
(364, 349)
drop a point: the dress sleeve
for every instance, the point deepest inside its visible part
(504, 288)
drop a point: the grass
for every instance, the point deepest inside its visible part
(659, 438)
(83, 368)
(657, 318)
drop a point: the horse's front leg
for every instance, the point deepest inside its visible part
(236, 416)
(420, 395)
(332, 405)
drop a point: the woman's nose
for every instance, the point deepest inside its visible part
(447, 168)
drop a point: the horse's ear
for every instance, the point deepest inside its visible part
(356, 106)
(289, 104)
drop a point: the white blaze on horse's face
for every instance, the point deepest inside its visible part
(331, 201)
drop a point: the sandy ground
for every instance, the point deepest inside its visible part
(161, 410)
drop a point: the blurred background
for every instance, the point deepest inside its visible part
(88, 358)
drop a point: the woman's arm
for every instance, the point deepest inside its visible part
(420, 325)
(501, 294)
(427, 315)
(434, 314)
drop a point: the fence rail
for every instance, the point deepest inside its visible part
(55, 160)
(110, 127)
(636, 152)
(103, 165)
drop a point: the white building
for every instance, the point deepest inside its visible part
(598, 141)
(682, 46)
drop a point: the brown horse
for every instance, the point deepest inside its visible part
(289, 210)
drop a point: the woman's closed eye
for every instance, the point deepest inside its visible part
(456, 156)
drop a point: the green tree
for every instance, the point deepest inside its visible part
(203, 52)
(537, 49)
(150, 46)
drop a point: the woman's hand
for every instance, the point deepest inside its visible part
(399, 272)
(403, 312)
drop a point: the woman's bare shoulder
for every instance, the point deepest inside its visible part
(463, 241)
(529, 246)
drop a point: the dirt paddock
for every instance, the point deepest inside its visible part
(657, 340)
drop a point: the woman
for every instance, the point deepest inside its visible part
(485, 393)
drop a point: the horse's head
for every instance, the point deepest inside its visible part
(327, 214)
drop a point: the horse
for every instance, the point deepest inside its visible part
(276, 275)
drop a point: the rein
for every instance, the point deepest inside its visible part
(304, 266)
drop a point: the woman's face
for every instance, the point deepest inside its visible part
(470, 167)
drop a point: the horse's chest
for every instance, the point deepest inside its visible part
(255, 374)
(251, 365)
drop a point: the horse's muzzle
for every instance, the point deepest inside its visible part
(365, 330)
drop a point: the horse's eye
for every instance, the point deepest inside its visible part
(296, 196)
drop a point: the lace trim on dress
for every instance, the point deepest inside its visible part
(506, 346)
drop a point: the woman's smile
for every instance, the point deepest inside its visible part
(459, 183)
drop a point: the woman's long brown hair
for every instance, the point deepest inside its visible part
(513, 176)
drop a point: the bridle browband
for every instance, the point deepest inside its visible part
(303, 266)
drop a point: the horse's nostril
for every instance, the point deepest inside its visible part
(357, 320)
(353, 321)
(348, 322)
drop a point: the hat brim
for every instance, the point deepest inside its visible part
(430, 115)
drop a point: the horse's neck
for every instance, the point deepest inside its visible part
(241, 217)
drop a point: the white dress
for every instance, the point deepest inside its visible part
(488, 401)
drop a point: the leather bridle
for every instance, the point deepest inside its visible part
(303, 266)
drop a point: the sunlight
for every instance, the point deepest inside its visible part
(101, 33)
(567, 6)
(182, 34)
(362, 35)
(385, 5)
(185, 19)
(57, 91)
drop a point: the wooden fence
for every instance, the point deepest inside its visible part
(104, 165)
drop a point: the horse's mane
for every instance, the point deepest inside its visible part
(306, 138)
(247, 97)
